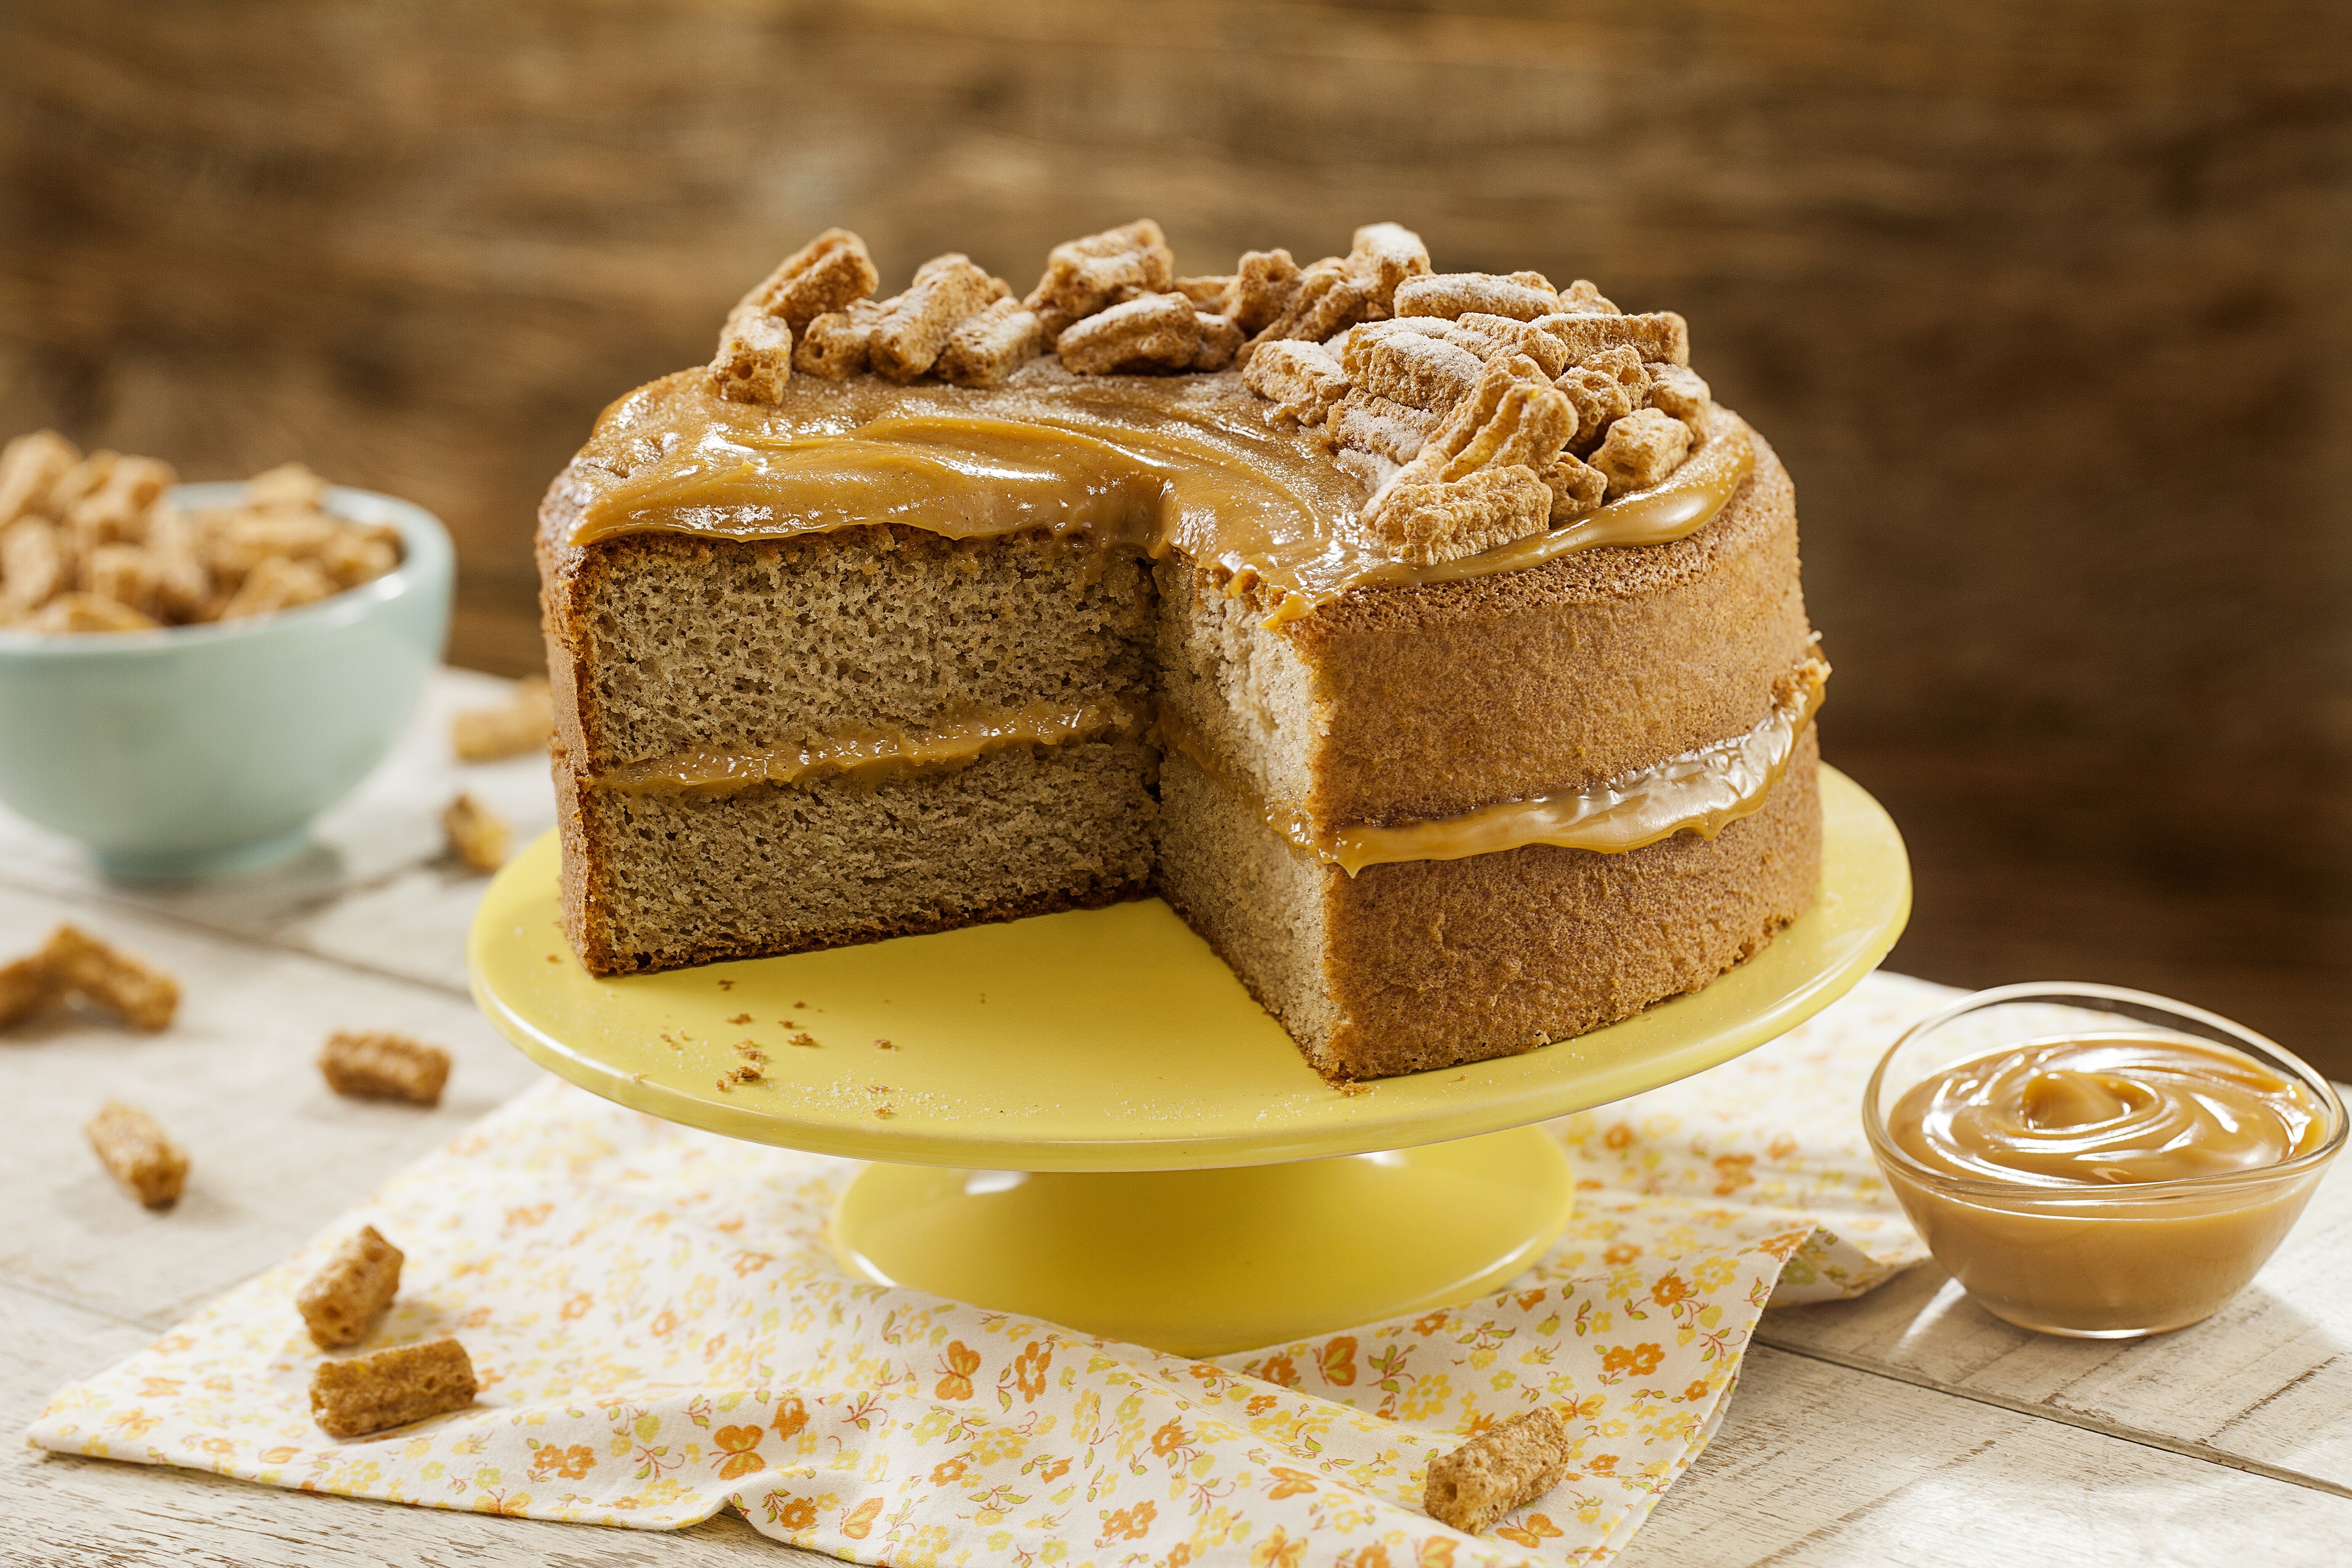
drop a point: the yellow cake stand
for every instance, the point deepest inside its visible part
(1084, 1117)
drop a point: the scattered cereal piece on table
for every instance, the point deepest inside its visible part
(27, 985)
(108, 978)
(134, 1147)
(343, 1299)
(525, 723)
(390, 1389)
(478, 835)
(384, 1067)
(1501, 1469)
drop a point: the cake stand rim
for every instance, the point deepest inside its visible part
(1857, 822)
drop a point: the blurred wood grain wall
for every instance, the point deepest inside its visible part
(2045, 305)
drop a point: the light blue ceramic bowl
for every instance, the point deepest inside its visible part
(196, 751)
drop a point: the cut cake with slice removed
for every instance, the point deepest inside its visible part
(863, 660)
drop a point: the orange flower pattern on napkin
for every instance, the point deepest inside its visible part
(662, 1331)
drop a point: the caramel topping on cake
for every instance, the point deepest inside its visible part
(1387, 423)
(1189, 464)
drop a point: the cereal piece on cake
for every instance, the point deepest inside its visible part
(1643, 449)
(478, 835)
(830, 273)
(754, 361)
(384, 1067)
(526, 722)
(111, 979)
(990, 344)
(838, 344)
(914, 326)
(1151, 332)
(390, 1389)
(134, 1147)
(1501, 1469)
(343, 1298)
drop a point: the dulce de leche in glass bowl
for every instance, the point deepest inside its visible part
(2097, 1162)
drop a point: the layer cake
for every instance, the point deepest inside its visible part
(1432, 643)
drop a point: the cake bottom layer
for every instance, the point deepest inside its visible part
(674, 879)
(1434, 962)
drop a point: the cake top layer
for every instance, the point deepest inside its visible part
(1386, 424)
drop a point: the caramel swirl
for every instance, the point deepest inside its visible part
(1193, 465)
(2105, 1109)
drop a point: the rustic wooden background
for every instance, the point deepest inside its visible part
(2045, 306)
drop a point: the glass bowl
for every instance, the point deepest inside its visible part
(2093, 1261)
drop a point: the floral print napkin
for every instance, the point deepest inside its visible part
(662, 1332)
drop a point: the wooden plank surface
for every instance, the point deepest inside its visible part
(2265, 1382)
(1817, 1464)
(274, 1154)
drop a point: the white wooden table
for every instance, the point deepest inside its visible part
(1906, 1428)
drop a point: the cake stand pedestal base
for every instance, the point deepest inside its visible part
(1204, 1262)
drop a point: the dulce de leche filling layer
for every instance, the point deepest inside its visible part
(1701, 791)
(872, 756)
(1191, 465)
